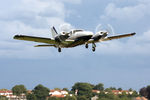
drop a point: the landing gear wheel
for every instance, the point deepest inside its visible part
(59, 49)
(93, 49)
(86, 45)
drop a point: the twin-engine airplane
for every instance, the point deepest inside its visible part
(72, 38)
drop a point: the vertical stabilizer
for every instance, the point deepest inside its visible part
(54, 32)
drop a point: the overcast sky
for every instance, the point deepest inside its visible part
(120, 63)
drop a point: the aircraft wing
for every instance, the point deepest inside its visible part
(35, 39)
(45, 45)
(41, 40)
(117, 37)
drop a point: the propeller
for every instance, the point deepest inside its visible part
(98, 28)
(65, 28)
(108, 28)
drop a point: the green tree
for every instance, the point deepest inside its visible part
(108, 90)
(108, 96)
(53, 98)
(18, 90)
(130, 89)
(102, 95)
(57, 89)
(41, 92)
(120, 89)
(126, 98)
(3, 98)
(143, 92)
(148, 92)
(3, 89)
(70, 98)
(122, 95)
(134, 94)
(83, 89)
(112, 88)
(65, 89)
(82, 98)
(31, 96)
(99, 86)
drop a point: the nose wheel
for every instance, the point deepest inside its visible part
(59, 49)
(93, 47)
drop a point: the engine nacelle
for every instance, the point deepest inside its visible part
(99, 35)
(61, 37)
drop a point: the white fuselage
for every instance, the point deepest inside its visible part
(80, 34)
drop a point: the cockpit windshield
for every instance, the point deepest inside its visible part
(77, 31)
(74, 31)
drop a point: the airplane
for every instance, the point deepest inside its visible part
(71, 39)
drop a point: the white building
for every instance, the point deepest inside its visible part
(58, 93)
(5, 93)
(9, 94)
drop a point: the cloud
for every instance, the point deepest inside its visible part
(29, 17)
(128, 17)
(73, 1)
(66, 27)
(136, 45)
(128, 13)
(35, 17)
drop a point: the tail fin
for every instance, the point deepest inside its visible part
(54, 32)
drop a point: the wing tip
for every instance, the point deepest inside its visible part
(16, 36)
(133, 33)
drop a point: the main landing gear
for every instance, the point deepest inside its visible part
(59, 49)
(86, 45)
(93, 47)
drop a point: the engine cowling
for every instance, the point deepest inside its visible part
(61, 37)
(99, 35)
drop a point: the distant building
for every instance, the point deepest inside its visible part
(10, 96)
(94, 98)
(116, 92)
(5, 93)
(58, 93)
(140, 98)
(96, 91)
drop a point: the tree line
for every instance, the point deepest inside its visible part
(79, 91)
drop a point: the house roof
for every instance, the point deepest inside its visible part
(60, 96)
(9, 91)
(96, 91)
(140, 98)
